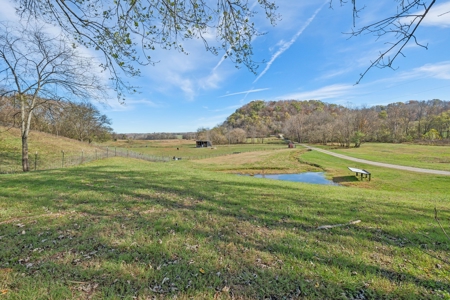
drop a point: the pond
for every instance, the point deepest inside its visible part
(307, 177)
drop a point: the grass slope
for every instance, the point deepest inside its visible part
(123, 228)
(49, 148)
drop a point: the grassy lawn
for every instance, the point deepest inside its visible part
(421, 156)
(124, 228)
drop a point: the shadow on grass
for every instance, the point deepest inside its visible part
(119, 230)
(341, 179)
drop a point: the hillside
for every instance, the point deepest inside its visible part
(318, 122)
(49, 148)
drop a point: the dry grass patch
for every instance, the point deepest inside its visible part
(237, 159)
(260, 162)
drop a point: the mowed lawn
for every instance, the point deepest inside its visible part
(420, 156)
(124, 228)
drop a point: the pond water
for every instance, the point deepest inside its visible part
(308, 177)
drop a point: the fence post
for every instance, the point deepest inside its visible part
(82, 155)
(95, 154)
(35, 160)
(115, 151)
(127, 152)
(62, 163)
(107, 151)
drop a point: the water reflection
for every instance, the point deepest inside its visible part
(308, 177)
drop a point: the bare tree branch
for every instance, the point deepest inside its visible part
(400, 28)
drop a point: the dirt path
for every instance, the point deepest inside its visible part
(379, 164)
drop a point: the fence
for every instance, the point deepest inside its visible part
(12, 162)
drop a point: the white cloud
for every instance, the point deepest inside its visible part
(326, 92)
(213, 80)
(208, 122)
(286, 45)
(183, 76)
(8, 12)
(335, 73)
(228, 108)
(130, 104)
(439, 15)
(438, 70)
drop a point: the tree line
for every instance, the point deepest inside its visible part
(80, 121)
(314, 121)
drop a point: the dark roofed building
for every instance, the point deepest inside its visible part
(203, 144)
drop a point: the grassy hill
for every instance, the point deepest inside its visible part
(127, 228)
(49, 148)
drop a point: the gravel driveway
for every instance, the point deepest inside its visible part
(379, 164)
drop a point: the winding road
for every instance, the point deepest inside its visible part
(379, 164)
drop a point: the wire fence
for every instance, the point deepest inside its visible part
(12, 162)
(126, 152)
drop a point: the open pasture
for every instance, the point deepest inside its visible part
(420, 156)
(186, 149)
(124, 228)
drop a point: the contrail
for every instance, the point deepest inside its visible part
(245, 92)
(287, 45)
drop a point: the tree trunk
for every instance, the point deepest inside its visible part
(25, 162)
(25, 129)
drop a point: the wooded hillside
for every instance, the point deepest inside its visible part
(317, 122)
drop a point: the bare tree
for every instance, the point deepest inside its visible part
(295, 128)
(400, 28)
(238, 136)
(37, 67)
(86, 122)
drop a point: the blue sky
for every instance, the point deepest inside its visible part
(306, 56)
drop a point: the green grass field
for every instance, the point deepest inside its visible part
(129, 229)
(421, 156)
(186, 149)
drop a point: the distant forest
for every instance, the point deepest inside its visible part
(314, 121)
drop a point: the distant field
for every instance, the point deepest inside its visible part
(421, 156)
(188, 150)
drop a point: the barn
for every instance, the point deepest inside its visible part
(203, 144)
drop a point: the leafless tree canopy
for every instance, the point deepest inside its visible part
(33, 62)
